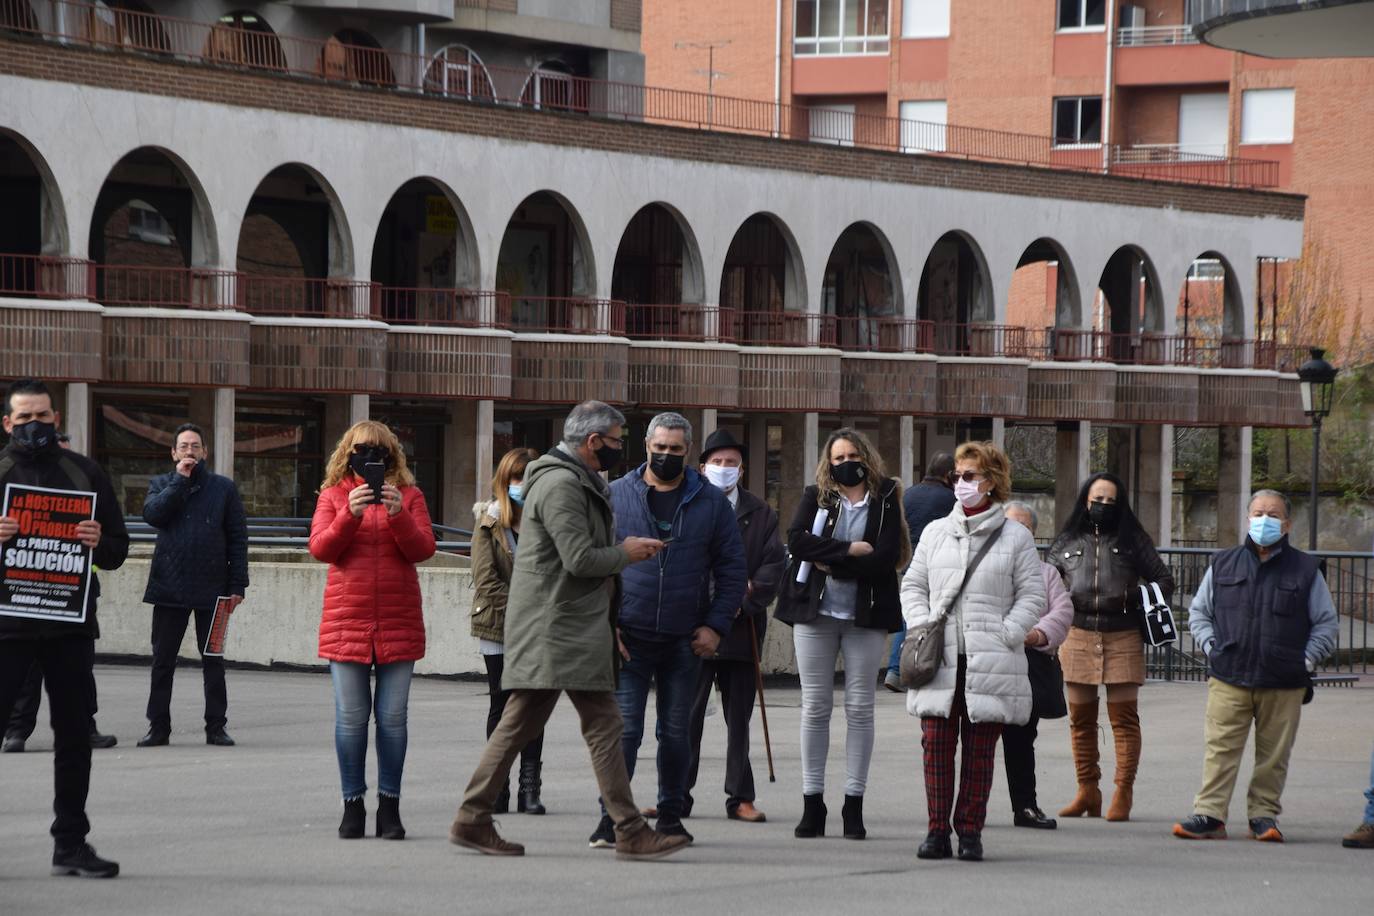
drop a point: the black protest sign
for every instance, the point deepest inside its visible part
(46, 570)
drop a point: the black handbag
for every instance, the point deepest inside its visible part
(924, 646)
(1047, 685)
(1157, 624)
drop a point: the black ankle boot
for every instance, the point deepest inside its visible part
(389, 826)
(527, 802)
(354, 822)
(812, 822)
(502, 805)
(853, 814)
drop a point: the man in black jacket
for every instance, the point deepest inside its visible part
(732, 667)
(931, 499)
(201, 555)
(65, 649)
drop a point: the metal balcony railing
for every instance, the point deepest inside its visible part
(45, 277)
(690, 322)
(168, 287)
(885, 334)
(567, 315)
(785, 329)
(460, 308)
(87, 25)
(1155, 36)
(309, 297)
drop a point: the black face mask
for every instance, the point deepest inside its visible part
(666, 466)
(35, 437)
(848, 473)
(608, 456)
(367, 455)
(1104, 515)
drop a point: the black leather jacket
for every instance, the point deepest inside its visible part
(1103, 579)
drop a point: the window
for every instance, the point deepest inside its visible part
(1077, 121)
(1209, 269)
(147, 225)
(923, 126)
(1266, 116)
(1082, 14)
(925, 19)
(840, 27)
(832, 123)
(458, 71)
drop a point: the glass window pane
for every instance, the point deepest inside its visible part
(828, 47)
(1065, 120)
(877, 18)
(1095, 12)
(829, 18)
(1068, 13)
(854, 46)
(1090, 121)
(805, 24)
(852, 20)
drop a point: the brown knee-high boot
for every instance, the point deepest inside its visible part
(1125, 719)
(1083, 738)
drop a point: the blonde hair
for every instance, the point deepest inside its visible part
(511, 466)
(993, 464)
(827, 491)
(368, 432)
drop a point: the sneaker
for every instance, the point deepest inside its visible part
(1362, 837)
(674, 827)
(82, 862)
(1265, 829)
(484, 839)
(1034, 818)
(644, 843)
(13, 745)
(893, 682)
(603, 837)
(1200, 827)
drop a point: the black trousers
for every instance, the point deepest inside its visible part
(736, 682)
(497, 705)
(24, 719)
(169, 629)
(1018, 752)
(66, 666)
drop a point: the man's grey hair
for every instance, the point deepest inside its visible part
(587, 418)
(669, 420)
(1024, 507)
(1287, 503)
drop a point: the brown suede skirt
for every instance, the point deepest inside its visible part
(1093, 657)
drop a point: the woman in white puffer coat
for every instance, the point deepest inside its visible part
(982, 683)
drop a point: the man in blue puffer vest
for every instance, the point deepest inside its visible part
(676, 605)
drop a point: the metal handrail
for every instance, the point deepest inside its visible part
(1154, 36)
(281, 531)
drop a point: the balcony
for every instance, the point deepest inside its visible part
(1289, 28)
(1155, 36)
(211, 43)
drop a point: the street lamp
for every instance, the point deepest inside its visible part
(1316, 380)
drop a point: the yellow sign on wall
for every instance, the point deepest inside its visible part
(439, 216)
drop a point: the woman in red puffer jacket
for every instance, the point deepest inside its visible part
(372, 616)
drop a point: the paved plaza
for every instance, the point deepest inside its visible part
(251, 829)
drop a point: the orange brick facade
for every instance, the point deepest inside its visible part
(1002, 65)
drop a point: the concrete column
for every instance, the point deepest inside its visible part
(896, 443)
(76, 417)
(936, 442)
(1155, 508)
(710, 422)
(999, 433)
(222, 417)
(1121, 455)
(756, 468)
(340, 412)
(359, 408)
(1233, 483)
(1073, 451)
(800, 451)
(468, 460)
(694, 416)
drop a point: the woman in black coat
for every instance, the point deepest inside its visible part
(848, 539)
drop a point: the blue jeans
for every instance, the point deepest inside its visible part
(894, 661)
(668, 663)
(353, 706)
(1369, 794)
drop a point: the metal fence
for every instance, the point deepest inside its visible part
(295, 533)
(1348, 575)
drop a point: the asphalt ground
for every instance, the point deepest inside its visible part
(251, 829)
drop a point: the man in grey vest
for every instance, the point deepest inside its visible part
(1264, 617)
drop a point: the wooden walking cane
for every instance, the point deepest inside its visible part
(763, 708)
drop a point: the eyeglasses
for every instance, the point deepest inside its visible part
(189, 447)
(969, 477)
(619, 443)
(363, 448)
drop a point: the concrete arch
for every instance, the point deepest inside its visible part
(204, 250)
(1212, 306)
(54, 230)
(582, 281)
(956, 262)
(341, 262)
(894, 307)
(467, 267)
(1141, 308)
(1068, 308)
(693, 273)
(793, 286)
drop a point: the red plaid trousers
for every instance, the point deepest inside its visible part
(939, 739)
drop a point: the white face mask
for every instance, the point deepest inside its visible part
(722, 477)
(968, 494)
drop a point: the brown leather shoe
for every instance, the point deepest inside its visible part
(1362, 837)
(642, 842)
(745, 811)
(484, 839)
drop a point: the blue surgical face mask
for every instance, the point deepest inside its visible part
(516, 492)
(1265, 530)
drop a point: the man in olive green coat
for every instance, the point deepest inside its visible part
(560, 632)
